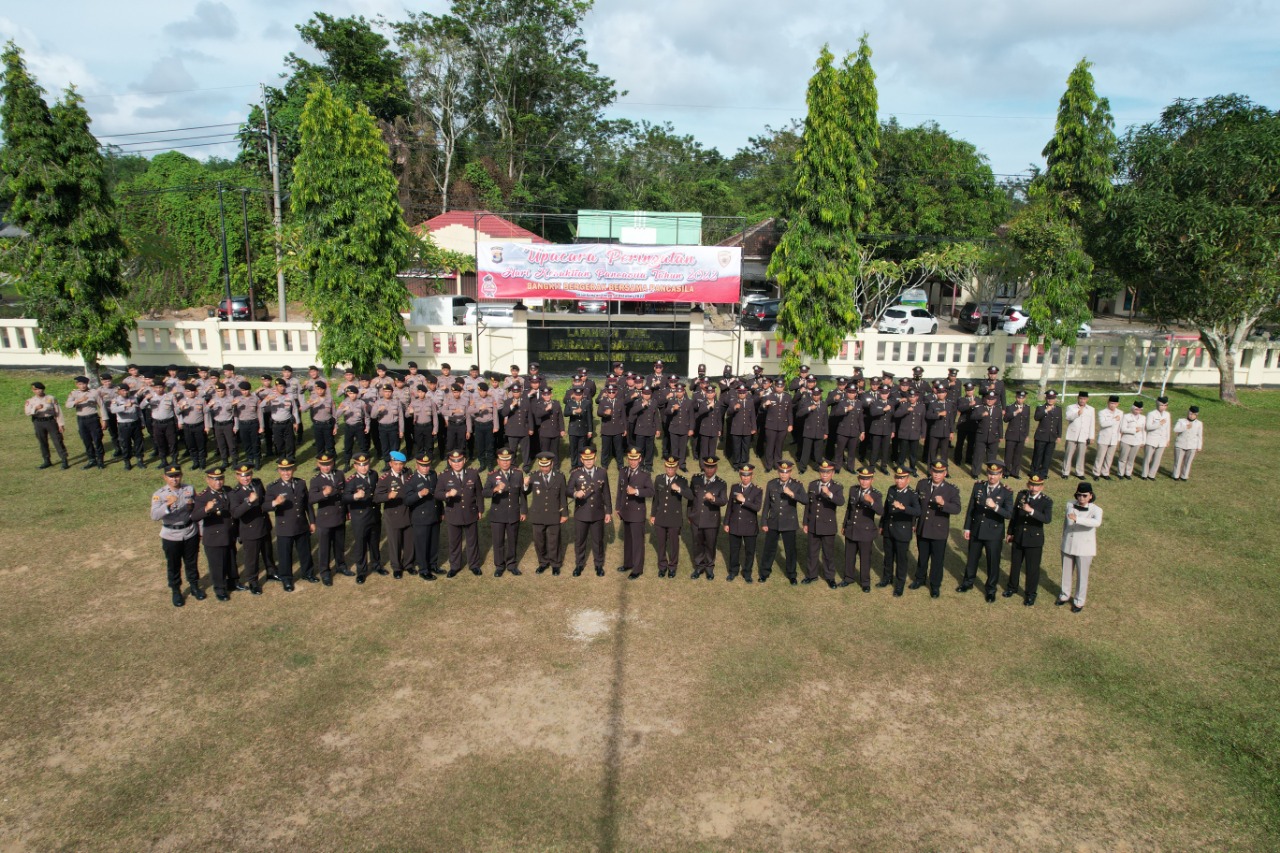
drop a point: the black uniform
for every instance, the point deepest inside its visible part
(1026, 534)
(462, 511)
(546, 494)
(424, 516)
(366, 524)
(217, 533)
(588, 514)
(1048, 431)
(742, 521)
(820, 519)
(253, 528)
(778, 518)
(933, 531)
(985, 526)
(670, 492)
(505, 491)
(331, 523)
(860, 531)
(293, 529)
(896, 525)
(1017, 419)
(632, 514)
(710, 494)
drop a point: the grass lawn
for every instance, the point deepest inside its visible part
(568, 714)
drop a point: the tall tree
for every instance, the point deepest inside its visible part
(1080, 158)
(68, 265)
(353, 239)
(764, 170)
(1196, 221)
(831, 201)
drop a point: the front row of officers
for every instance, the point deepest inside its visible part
(412, 507)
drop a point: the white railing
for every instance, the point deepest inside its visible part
(268, 346)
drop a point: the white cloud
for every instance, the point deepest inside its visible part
(211, 20)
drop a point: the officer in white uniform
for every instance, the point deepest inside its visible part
(1079, 547)
(1082, 421)
(1188, 441)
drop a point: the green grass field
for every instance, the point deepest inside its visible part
(567, 714)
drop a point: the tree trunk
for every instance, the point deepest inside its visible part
(92, 369)
(1224, 352)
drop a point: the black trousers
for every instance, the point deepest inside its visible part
(91, 436)
(389, 439)
(400, 548)
(773, 448)
(218, 559)
(744, 546)
(547, 444)
(464, 545)
(860, 552)
(252, 552)
(224, 436)
(896, 554)
(1030, 555)
(283, 439)
(365, 550)
(668, 541)
(983, 453)
(846, 455)
(286, 547)
(811, 450)
(822, 549)
(644, 443)
(633, 546)
(704, 548)
(588, 534)
(322, 431)
(354, 438)
(250, 445)
(612, 447)
(504, 537)
(739, 449)
(1042, 458)
(332, 548)
(193, 436)
(879, 457)
(426, 548)
(47, 431)
(993, 547)
(484, 441)
(966, 437)
(707, 445)
(546, 544)
(129, 441)
(929, 565)
(519, 446)
(164, 436)
(936, 448)
(576, 444)
(182, 555)
(770, 550)
(908, 452)
(1013, 457)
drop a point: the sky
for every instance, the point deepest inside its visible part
(987, 71)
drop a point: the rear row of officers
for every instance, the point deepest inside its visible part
(885, 425)
(412, 507)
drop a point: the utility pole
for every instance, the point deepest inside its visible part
(248, 257)
(226, 263)
(273, 161)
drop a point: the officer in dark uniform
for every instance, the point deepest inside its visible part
(1032, 510)
(990, 505)
(593, 509)
(366, 518)
(252, 525)
(1048, 430)
(708, 414)
(742, 426)
(504, 487)
(424, 516)
(581, 423)
(779, 419)
(635, 486)
(325, 494)
(1017, 419)
(212, 509)
(294, 525)
(670, 492)
(460, 491)
(824, 499)
(813, 439)
(940, 425)
(909, 429)
(966, 424)
(851, 429)
(939, 501)
(679, 426)
(879, 418)
(648, 426)
(710, 494)
(860, 530)
(547, 497)
(988, 418)
(548, 418)
(996, 384)
(778, 520)
(613, 428)
(742, 522)
(901, 509)
(396, 518)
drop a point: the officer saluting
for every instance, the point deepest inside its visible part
(865, 503)
(634, 487)
(742, 522)
(425, 513)
(901, 509)
(939, 501)
(990, 505)
(547, 495)
(778, 520)
(171, 505)
(212, 508)
(710, 493)
(1032, 510)
(325, 495)
(366, 525)
(825, 496)
(504, 488)
(593, 509)
(670, 492)
(459, 489)
(252, 524)
(294, 524)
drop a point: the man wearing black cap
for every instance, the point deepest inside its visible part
(994, 383)
(812, 410)
(1048, 430)
(1108, 437)
(635, 486)
(778, 520)
(1032, 510)
(648, 427)
(710, 494)
(366, 527)
(46, 418)
(1133, 436)
(679, 425)
(504, 488)
(294, 525)
(908, 429)
(742, 426)
(91, 418)
(323, 427)
(880, 428)
(1082, 420)
(172, 505)
(990, 506)
(592, 510)
(249, 424)
(670, 493)
(901, 509)
(252, 526)
(212, 510)
(325, 494)
(1188, 441)
(824, 499)
(1079, 547)
(193, 415)
(778, 420)
(986, 438)
(519, 427)
(580, 423)
(1017, 426)
(425, 513)
(742, 523)
(708, 414)
(460, 490)
(547, 495)
(939, 502)
(1159, 426)
(940, 424)
(966, 424)
(865, 503)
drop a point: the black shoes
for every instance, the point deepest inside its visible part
(47, 464)
(240, 587)
(345, 572)
(964, 587)
(178, 600)
(360, 579)
(935, 593)
(288, 586)
(1061, 601)
(746, 579)
(897, 592)
(539, 570)
(831, 584)
(198, 594)
(633, 576)
(991, 598)
(1076, 608)
(513, 570)
(255, 589)
(380, 571)
(600, 571)
(731, 578)
(845, 583)
(697, 573)
(222, 596)
(497, 573)
(915, 585)
(451, 573)
(476, 571)
(808, 581)
(792, 581)
(327, 580)
(1009, 593)
(555, 573)
(577, 572)
(1029, 601)
(314, 579)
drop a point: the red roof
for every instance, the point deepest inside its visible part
(487, 224)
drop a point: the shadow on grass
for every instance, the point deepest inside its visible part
(608, 824)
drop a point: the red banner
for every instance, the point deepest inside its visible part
(584, 271)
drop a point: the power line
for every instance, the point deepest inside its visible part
(207, 136)
(169, 130)
(176, 147)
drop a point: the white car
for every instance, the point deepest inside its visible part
(491, 314)
(907, 320)
(1015, 323)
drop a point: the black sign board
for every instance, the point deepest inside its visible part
(561, 346)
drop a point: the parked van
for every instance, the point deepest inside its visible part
(916, 297)
(439, 310)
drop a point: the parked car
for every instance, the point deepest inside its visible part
(439, 310)
(491, 313)
(1015, 323)
(755, 294)
(239, 309)
(761, 316)
(593, 306)
(907, 320)
(982, 319)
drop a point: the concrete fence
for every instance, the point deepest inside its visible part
(1107, 360)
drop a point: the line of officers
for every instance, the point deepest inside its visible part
(415, 509)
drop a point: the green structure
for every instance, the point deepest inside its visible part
(639, 226)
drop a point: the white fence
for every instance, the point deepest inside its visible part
(1107, 360)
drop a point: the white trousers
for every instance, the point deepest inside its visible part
(1128, 456)
(1102, 461)
(1074, 450)
(1075, 578)
(1182, 460)
(1151, 462)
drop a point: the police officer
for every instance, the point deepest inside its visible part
(518, 423)
(91, 418)
(990, 505)
(1032, 510)
(708, 414)
(1048, 430)
(778, 520)
(128, 415)
(939, 501)
(670, 493)
(295, 523)
(581, 423)
(325, 494)
(613, 427)
(909, 429)
(779, 420)
(742, 426)
(901, 509)
(635, 486)
(865, 503)
(593, 509)
(212, 509)
(252, 525)
(486, 421)
(249, 424)
(648, 427)
(396, 518)
(742, 522)
(172, 505)
(710, 494)
(547, 499)
(1017, 420)
(548, 417)
(988, 420)
(459, 489)
(966, 424)
(879, 417)
(940, 424)
(810, 407)
(825, 496)
(46, 418)
(387, 416)
(504, 487)
(366, 518)
(425, 513)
